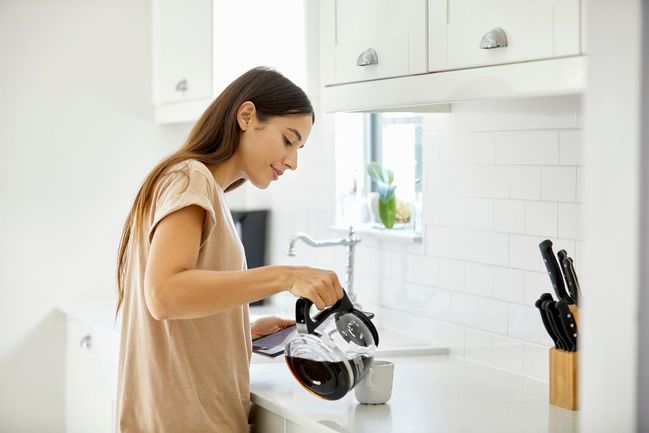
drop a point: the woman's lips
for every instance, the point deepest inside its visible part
(276, 174)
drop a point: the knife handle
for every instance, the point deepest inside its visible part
(574, 276)
(553, 319)
(568, 322)
(546, 323)
(553, 269)
(571, 284)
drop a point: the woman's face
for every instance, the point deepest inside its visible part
(267, 149)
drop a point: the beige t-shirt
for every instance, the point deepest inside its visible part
(185, 375)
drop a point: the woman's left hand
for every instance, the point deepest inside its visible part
(268, 325)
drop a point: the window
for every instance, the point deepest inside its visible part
(394, 140)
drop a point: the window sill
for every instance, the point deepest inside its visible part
(395, 235)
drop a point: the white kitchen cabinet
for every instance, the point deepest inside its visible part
(91, 378)
(530, 30)
(543, 56)
(200, 46)
(264, 421)
(182, 50)
(390, 34)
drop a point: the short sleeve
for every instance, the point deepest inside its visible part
(179, 188)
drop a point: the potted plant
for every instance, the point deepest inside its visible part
(387, 200)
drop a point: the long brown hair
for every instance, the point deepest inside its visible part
(215, 139)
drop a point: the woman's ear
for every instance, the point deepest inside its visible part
(246, 115)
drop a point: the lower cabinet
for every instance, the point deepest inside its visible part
(264, 421)
(91, 378)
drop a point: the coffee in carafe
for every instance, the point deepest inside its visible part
(332, 352)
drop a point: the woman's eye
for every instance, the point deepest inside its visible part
(286, 141)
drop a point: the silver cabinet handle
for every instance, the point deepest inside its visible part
(496, 38)
(368, 57)
(181, 86)
(86, 342)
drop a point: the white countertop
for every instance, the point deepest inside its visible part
(430, 394)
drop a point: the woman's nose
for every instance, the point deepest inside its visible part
(291, 161)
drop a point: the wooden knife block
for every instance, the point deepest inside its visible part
(564, 374)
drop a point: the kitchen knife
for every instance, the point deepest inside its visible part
(571, 284)
(567, 322)
(555, 321)
(546, 324)
(553, 270)
(574, 276)
(553, 318)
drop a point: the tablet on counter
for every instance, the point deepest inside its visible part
(272, 345)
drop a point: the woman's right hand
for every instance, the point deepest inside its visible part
(320, 286)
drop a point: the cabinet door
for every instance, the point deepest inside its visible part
(394, 29)
(182, 50)
(264, 421)
(250, 33)
(91, 378)
(534, 29)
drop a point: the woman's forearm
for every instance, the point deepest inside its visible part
(195, 293)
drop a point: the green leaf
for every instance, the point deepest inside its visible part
(388, 211)
(385, 191)
(388, 176)
(375, 171)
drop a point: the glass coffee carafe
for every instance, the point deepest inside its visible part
(332, 351)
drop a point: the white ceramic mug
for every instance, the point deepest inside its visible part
(376, 387)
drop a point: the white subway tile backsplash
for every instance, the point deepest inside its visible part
(508, 354)
(523, 323)
(509, 284)
(542, 147)
(570, 147)
(510, 147)
(509, 216)
(570, 221)
(438, 305)
(535, 361)
(524, 252)
(452, 336)
(468, 148)
(479, 213)
(580, 185)
(464, 309)
(451, 274)
(541, 218)
(452, 211)
(560, 120)
(479, 279)
(494, 182)
(536, 283)
(466, 245)
(431, 142)
(559, 184)
(494, 248)
(498, 178)
(525, 182)
(423, 270)
(492, 316)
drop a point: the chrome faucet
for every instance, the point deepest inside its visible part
(349, 242)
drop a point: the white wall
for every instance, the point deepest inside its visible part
(77, 137)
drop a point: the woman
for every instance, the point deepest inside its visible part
(182, 281)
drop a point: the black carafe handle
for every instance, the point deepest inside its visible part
(306, 324)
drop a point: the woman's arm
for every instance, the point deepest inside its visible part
(174, 289)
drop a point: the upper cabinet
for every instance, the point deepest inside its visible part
(369, 39)
(421, 55)
(200, 46)
(470, 33)
(182, 51)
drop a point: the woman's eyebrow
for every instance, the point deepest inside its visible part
(296, 132)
